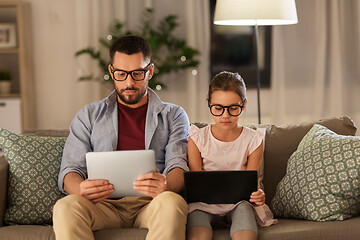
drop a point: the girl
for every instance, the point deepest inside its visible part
(225, 146)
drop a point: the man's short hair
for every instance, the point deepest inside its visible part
(130, 44)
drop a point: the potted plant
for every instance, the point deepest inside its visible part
(169, 53)
(5, 81)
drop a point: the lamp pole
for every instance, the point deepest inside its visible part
(257, 68)
(243, 12)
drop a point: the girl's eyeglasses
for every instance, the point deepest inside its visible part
(233, 110)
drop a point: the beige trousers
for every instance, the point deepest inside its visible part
(75, 217)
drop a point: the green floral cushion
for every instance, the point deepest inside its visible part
(322, 178)
(34, 166)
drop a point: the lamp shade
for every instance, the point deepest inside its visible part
(255, 12)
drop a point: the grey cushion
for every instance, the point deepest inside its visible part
(322, 180)
(34, 167)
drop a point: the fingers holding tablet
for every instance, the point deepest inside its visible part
(151, 184)
(96, 190)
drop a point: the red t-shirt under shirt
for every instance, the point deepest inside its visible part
(131, 124)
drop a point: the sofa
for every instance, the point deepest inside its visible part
(280, 142)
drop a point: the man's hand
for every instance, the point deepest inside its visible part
(151, 184)
(258, 197)
(96, 190)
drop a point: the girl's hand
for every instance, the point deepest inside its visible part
(258, 197)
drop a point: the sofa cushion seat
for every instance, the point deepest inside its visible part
(36, 232)
(310, 230)
(285, 229)
(30, 232)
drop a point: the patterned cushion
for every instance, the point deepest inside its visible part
(322, 179)
(34, 166)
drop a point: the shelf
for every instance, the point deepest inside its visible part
(10, 95)
(9, 50)
(19, 61)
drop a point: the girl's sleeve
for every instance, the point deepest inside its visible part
(194, 133)
(257, 138)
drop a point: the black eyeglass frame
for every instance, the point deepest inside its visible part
(113, 70)
(226, 107)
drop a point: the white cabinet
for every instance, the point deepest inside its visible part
(18, 59)
(10, 114)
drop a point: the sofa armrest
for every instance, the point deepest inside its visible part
(4, 169)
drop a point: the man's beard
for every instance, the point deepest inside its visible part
(134, 99)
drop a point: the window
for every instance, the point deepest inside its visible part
(233, 49)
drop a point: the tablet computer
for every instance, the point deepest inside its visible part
(219, 187)
(120, 168)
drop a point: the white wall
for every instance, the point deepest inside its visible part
(58, 93)
(54, 62)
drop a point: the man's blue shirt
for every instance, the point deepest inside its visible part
(95, 128)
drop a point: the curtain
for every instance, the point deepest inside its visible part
(91, 23)
(198, 36)
(315, 63)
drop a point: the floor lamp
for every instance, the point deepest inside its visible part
(255, 13)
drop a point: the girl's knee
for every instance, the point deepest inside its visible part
(243, 209)
(199, 218)
(243, 220)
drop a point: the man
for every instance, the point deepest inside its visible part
(131, 117)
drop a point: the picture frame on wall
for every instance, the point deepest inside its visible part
(7, 35)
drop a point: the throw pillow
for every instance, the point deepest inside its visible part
(322, 179)
(34, 164)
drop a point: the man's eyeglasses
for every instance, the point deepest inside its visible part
(137, 75)
(233, 110)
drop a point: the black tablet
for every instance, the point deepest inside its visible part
(219, 187)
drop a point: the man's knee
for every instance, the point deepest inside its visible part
(170, 198)
(171, 204)
(68, 204)
(71, 218)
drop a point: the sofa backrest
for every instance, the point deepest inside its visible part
(46, 133)
(280, 142)
(4, 167)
